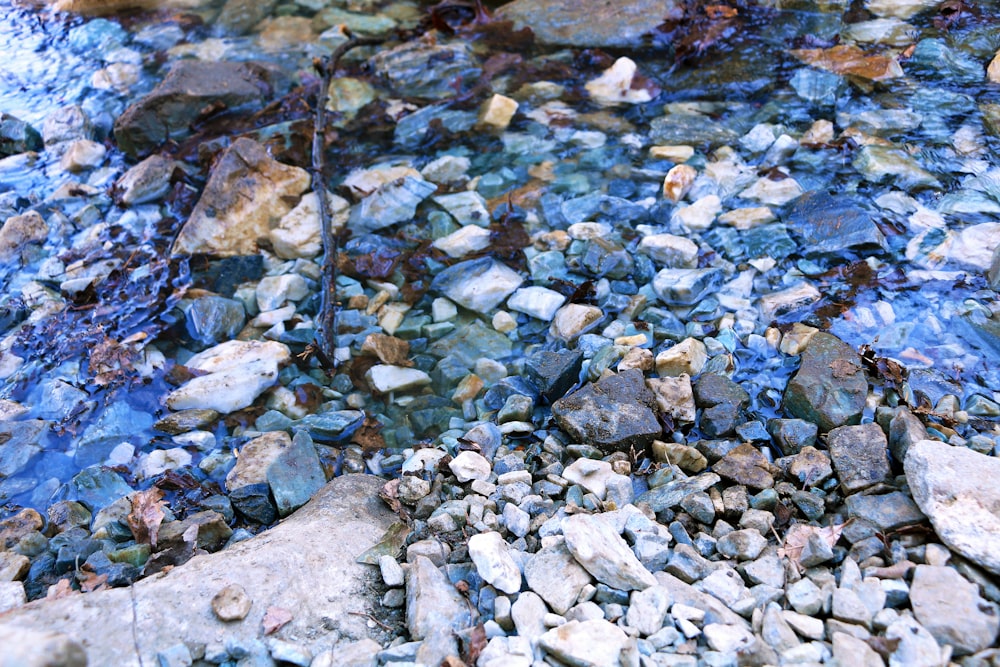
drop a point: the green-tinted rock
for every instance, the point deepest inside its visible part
(472, 342)
(16, 136)
(295, 475)
(830, 387)
(574, 23)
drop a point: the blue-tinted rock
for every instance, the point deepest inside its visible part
(614, 413)
(295, 475)
(830, 387)
(477, 284)
(554, 372)
(685, 287)
(98, 487)
(331, 426)
(515, 385)
(392, 203)
(888, 511)
(214, 319)
(472, 342)
(722, 402)
(830, 224)
(412, 130)
(571, 23)
(19, 443)
(16, 136)
(118, 423)
(421, 68)
(691, 129)
(933, 57)
(791, 435)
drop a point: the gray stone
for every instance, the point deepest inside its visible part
(145, 182)
(830, 224)
(391, 203)
(805, 597)
(596, 643)
(887, 511)
(11, 595)
(792, 435)
(672, 493)
(601, 551)
(296, 474)
(849, 608)
(528, 614)
(471, 343)
(916, 647)
(955, 487)
(729, 639)
(747, 466)
(767, 569)
(615, 413)
(560, 592)
(776, 631)
(568, 23)
(17, 136)
(816, 550)
(287, 566)
(724, 584)
(830, 388)
(232, 603)
(904, 430)
(741, 544)
(477, 284)
(432, 602)
(848, 650)
(952, 610)
(722, 402)
(189, 88)
(859, 455)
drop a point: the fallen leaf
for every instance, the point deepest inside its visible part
(852, 61)
(276, 618)
(884, 646)
(390, 544)
(61, 589)
(475, 644)
(368, 436)
(91, 581)
(167, 559)
(798, 535)
(146, 516)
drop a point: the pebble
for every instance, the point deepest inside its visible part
(231, 603)
(595, 642)
(602, 552)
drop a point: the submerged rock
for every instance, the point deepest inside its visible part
(830, 387)
(570, 23)
(830, 224)
(189, 89)
(247, 192)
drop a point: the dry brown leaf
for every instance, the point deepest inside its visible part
(798, 535)
(369, 436)
(851, 60)
(276, 618)
(61, 589)
(146, 516)
(91, 581)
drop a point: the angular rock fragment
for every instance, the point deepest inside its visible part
(830, 387)
(601, 551)
(614, 413)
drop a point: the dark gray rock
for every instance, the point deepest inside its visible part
(17, 136)
(191, 87)
(614, 413)
(791, 435)
(296, 474)
(859, 455)
(904, 430)
(214, 319)
(571, 23)
(722, 402)
(746, 465)
(830, 387)
(254, 502)
(830, 224)
(888, 511)
(554, 372)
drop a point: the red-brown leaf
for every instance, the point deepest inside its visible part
(146, 516)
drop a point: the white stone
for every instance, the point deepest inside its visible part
(574, 319)
(468, 208)
(586, 231)
(686, 357)
(771, 192)
(461, 242)
(701, 214)
(748, 218)
(507, 652)
(161, 460)
(468, 466)
(274, 291)
(443, 310)
(504, 322)
(238, 372)
(538, 302)
(364, 182)
(974, 246)
(673, 251)
(902, 9)
(728, 638)
(447, 169)
(493, 561)
(145, 182)
(485, 288)
(384, 378)
(674, 396)
(11, 595)
(299, 233)
(788, 299)
(594, 643)
(602, 552)
(647, 609)
(591, 474)
(916, 647)
(614, 86)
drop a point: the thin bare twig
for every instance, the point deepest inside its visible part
(326, 342)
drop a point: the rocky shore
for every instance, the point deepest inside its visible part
(635, 364)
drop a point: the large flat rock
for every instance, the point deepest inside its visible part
(306, 564)
(591, 23)
(956, 488)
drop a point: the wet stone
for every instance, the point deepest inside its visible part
(554, 372)
(830, 224)
(614, 413)
(722, 402)
(859, 455)
(685, 287)
(17, 136)
(214, 319)
(792, 435)
(830, 388)
(185, 421)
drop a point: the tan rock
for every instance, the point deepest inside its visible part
(687, 357)
(674, 396)
(574, 319)
(232, 603)
(255, 458)
(20, 230)
(685, 457)
(497, 112)
(145, 182)
(614, 86)
(993, 69)
(246, 194)
(13, 566)
(672, 153)
(678, 181)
